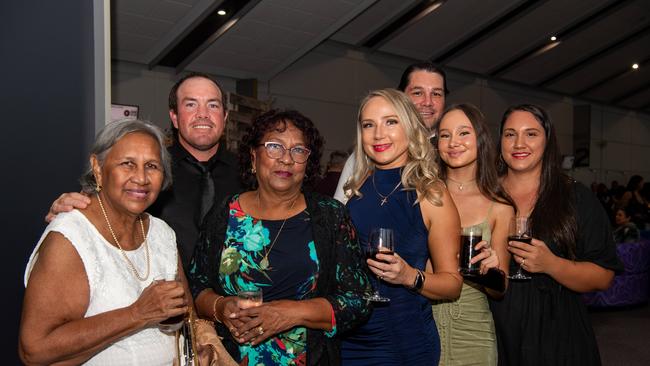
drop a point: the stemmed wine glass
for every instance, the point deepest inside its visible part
(380, 240)
(520, 231)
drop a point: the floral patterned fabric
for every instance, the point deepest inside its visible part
(630, 287)
(292, 274)
(325, 262)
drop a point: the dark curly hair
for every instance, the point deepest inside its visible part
(277, 120)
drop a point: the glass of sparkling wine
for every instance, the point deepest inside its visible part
(249, 298)
(520, 231)
(380, 240)
(173, 323)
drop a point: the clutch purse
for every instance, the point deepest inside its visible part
(494, 279)
(197, 344)
(185, 345)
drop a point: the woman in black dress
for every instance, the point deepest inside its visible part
(543, 321)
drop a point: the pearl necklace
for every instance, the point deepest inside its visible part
(461, 185)
(384, 199)
(128, 261)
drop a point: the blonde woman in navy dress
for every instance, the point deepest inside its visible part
(396, 185)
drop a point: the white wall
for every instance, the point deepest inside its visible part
(328, 83)
(620, 144)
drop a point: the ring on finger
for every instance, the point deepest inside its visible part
(260, 330)
(523, 262)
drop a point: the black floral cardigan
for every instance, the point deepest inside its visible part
(342, 280)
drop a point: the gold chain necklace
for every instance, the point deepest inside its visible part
(264, 263)
(384, 199)
(461, 185)
(128, 261)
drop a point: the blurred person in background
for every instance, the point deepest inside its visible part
(625, 230)
(327, 184)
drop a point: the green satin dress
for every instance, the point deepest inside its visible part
(465, 326)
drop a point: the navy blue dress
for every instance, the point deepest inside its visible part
(402, 331)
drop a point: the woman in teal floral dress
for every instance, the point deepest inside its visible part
(298, 247)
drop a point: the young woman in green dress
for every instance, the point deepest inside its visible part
(466, 158)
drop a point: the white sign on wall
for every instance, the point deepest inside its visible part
(123, 111)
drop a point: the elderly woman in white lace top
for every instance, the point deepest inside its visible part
(93, 294)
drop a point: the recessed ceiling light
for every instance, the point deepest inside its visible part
(635, 66)
(553, 38)
(221, 12)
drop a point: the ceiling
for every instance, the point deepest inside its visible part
(597, 42)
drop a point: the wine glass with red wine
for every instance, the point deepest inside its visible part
(380, 240)
(520, 231)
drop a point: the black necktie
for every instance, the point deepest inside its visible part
(207, 190)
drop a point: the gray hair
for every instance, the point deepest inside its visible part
(111, 134)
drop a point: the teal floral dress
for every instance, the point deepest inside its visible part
(291, 273)
(295, 268)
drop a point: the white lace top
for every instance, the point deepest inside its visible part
(113, 285)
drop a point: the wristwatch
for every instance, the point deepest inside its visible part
(419, 281)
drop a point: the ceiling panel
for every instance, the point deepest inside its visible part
(187, 2)
(638, 101)
(616, 88)
(154, 28)
(604, 32)
(142, 7)
(128, 46)
(139, 26)
(373, 19)
(534, 27)
(600, 38)
(170, 11)
(271, 24)
(612, 62)
(435, 33)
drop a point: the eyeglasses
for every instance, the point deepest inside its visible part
(275, 150)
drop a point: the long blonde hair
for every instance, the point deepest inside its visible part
(420, 172)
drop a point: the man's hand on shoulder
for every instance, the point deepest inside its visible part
(66, 203)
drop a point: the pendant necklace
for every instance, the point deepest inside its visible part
(145, 242)
(264, 263)
(461, 185)
(384, 199)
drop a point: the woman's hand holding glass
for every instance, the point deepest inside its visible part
(259, 323)
(535, 257)
(392, 268)
(487, 257)
(224, 311)
(159, 301)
